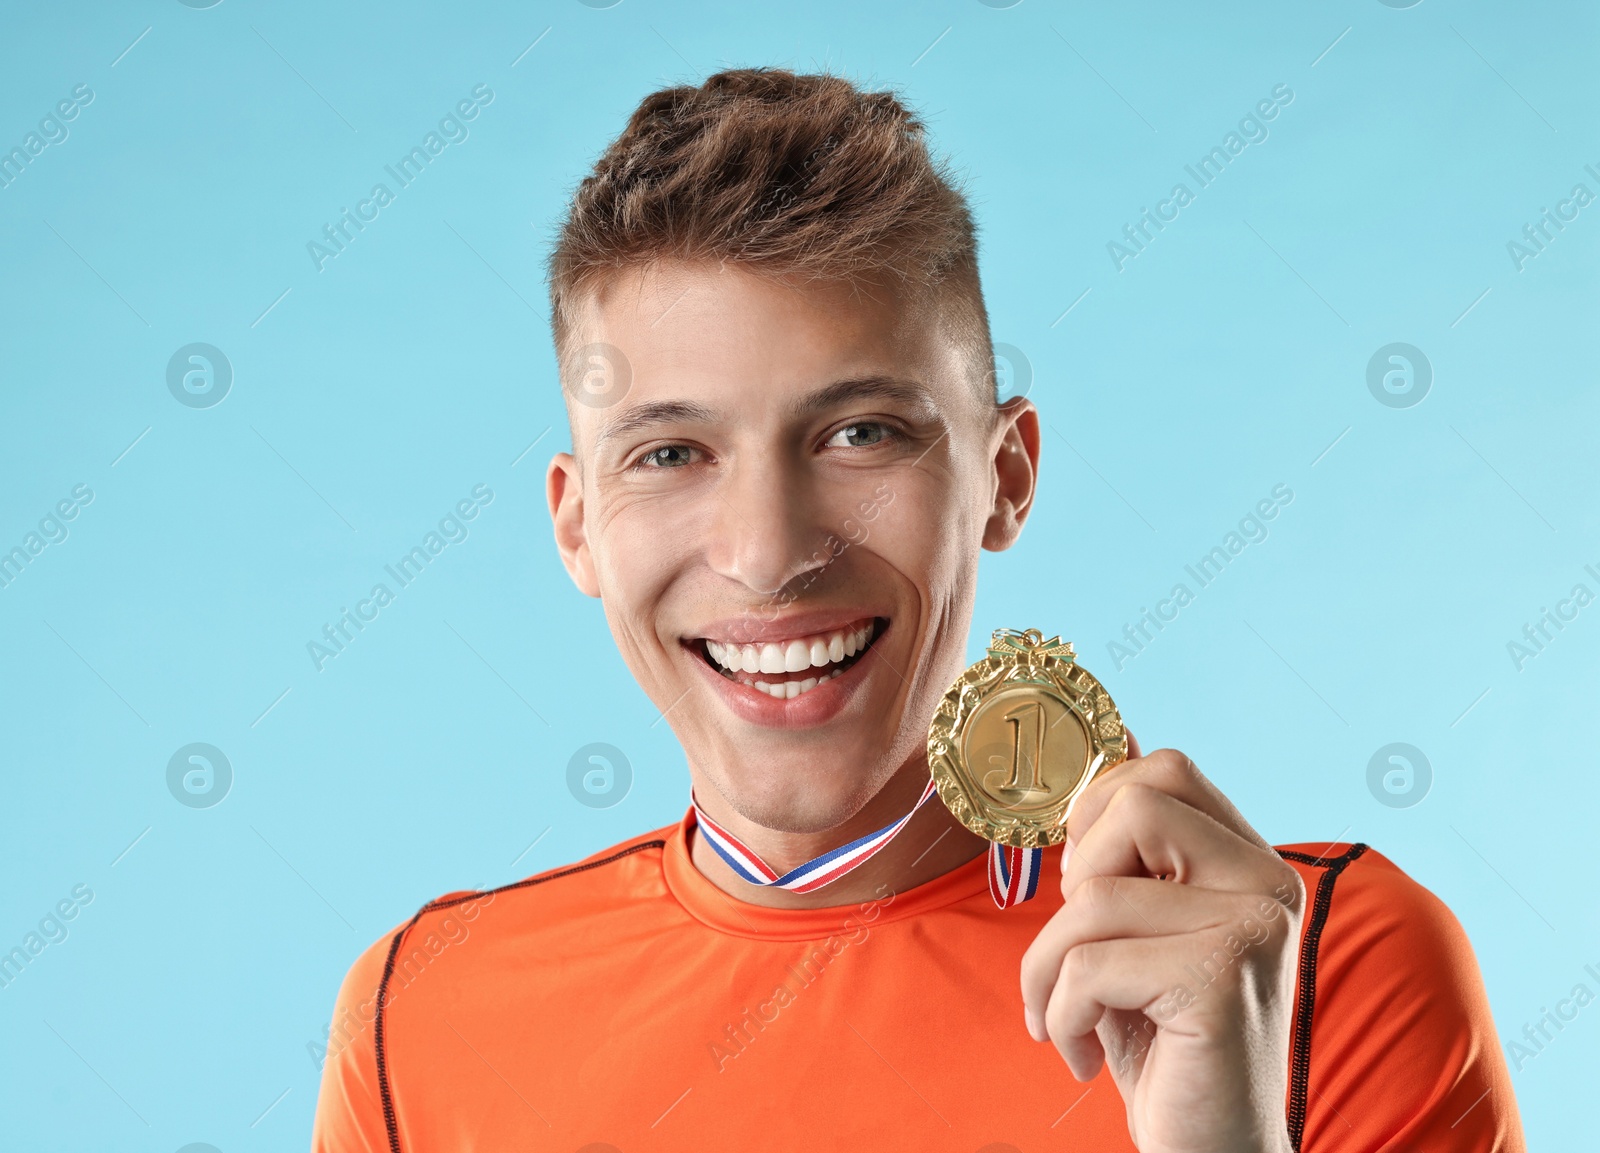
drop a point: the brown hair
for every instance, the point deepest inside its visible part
(796, 176)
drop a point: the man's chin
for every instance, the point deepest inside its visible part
(800, 804)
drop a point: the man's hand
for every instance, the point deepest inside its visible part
(1173, 958)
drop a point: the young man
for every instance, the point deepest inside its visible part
(779, 487)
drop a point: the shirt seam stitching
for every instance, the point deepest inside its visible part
(1300, 1053)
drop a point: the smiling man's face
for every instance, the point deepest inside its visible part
(782, 518)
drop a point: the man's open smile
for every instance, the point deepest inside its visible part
(762, 667)
(786, 668)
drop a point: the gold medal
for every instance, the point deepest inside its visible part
(1018, 738)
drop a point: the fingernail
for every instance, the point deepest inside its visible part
(1035, 1025)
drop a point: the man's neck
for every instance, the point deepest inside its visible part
(932, 843)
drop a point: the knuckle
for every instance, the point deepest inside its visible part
(1093, 898)
(1174, 765)
(1134, 800)
(1291, 890)
(1103, 895)
(1079, 966)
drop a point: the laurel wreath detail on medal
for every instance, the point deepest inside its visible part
(1042, 728)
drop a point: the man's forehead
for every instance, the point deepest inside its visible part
(711, 319)
(653, 290)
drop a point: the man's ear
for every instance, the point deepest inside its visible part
(564, 490)
(1015, 463)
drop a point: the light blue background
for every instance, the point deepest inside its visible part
(427, 757)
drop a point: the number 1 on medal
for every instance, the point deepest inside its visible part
(1034, 711)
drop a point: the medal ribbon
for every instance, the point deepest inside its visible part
(1013, 874)
(815, 873)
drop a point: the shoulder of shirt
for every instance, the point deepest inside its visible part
(585, 876)
(1389, 986)
(1355, 868)
(1365, 893)
(1370, 929)
(1344, 879)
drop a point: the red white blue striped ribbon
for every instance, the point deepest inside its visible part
(1013, 874)
(815, 873)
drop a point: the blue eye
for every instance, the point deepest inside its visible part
(861, 435)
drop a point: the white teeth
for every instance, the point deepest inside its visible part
(788, 690)
(794, 656)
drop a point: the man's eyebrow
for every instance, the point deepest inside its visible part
(863, 388)
(655, 412)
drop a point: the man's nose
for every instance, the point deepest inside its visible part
(766, 527)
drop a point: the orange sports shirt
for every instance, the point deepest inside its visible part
(626, 1003)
